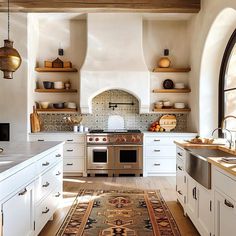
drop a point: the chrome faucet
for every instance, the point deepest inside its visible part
(223, 128)
(223, 131)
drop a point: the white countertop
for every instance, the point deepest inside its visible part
(59, 132)
(169, 133)
(17, 155)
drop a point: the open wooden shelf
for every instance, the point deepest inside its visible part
(185, 90)
(170, 70)
(56, 110)
(56, 90)
(44, 69)
(171, 110)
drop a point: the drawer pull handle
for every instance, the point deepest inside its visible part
(58, 195)
(157, 140)
(70, 140)
(229, 204)
(70, 150)
(156, 164)
(180, 168)
(157, 150)
(23, 192)
(69, 164)
(58, 173)
(58, 155)
(180, 154)
(46, 164)
(179, 192)
(46, 211)
(40, 140)
(195, 193)
(46, 185)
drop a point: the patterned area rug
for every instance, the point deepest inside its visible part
(119, 213)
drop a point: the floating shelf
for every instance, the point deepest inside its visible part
(170, 70)
(44, 69)
(57, 110)
(56, 90)
(185, 90)
(172, 110)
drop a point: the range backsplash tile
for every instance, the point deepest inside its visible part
(101, 111)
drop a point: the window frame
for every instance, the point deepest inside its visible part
(221, 98)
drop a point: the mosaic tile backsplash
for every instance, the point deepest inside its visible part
(101, 111)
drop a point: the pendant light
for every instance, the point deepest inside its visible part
(10, 59)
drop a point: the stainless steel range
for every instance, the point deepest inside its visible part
(115, 152)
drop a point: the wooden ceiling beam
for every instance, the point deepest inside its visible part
(161, 6)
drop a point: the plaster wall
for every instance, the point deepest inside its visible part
(209, 33)
(13, 93)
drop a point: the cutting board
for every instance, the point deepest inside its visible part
(34, 121)
(168, 122)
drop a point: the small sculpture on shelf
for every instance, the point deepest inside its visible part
(164, 62)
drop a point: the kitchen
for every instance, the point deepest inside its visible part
(112, 86)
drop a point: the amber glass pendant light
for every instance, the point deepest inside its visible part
(10, 59)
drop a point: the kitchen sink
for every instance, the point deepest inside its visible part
(197, 165)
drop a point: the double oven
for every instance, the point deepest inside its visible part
(115, 154)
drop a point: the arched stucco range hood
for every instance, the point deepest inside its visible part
(114, 59)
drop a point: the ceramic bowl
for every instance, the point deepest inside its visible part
(179, 85)
(44, 105)
(47, 84)
(167, 104)
(58, 105)
(58, 85)
(71, 105)
(179, 105)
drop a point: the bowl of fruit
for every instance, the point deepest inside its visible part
(155, 127)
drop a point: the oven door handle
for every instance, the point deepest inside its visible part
(128, 145)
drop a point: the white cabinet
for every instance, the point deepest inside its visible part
(159, 152)
(18, 213)
(199, 206)
(224, 186)
(74, 150)
(30, 195)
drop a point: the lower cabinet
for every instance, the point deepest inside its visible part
(225, 215)
(18, 213)
(26, 211)
(199, 206)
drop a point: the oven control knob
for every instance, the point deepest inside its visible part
(123, 139)
(90, 139)
(133, 139)
(118, 140)
(96, 139)
(104, 139)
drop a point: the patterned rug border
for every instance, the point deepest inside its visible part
(149, 196)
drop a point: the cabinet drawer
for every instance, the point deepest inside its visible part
(43, 213)
(71, 150)
(219, 181)
(73, 165)
(153, 141)
(180, 153)
(161, 165)
(76, 138)
(160, 151)
(48, 161)
(17, 180)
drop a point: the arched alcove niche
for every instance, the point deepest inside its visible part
(217, 39)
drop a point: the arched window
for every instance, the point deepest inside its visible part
(227, 85)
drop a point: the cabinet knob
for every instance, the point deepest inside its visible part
(69, 150)
(46, 185)
(58, 173)
(46, 211)
(157, 150)
(179, 192)
(58, 195)
(40, 140)
(180, 154)
(229, 204)
(23, 192)
(70, 140)
(46, 164)
(69, 164)
(58, 155)
(180, 168)
(156, 164)
(157, 140)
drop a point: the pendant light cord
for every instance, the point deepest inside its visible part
(8, 19)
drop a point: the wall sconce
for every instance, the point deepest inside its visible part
(10, 59)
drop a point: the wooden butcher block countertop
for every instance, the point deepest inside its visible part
(229, 168)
